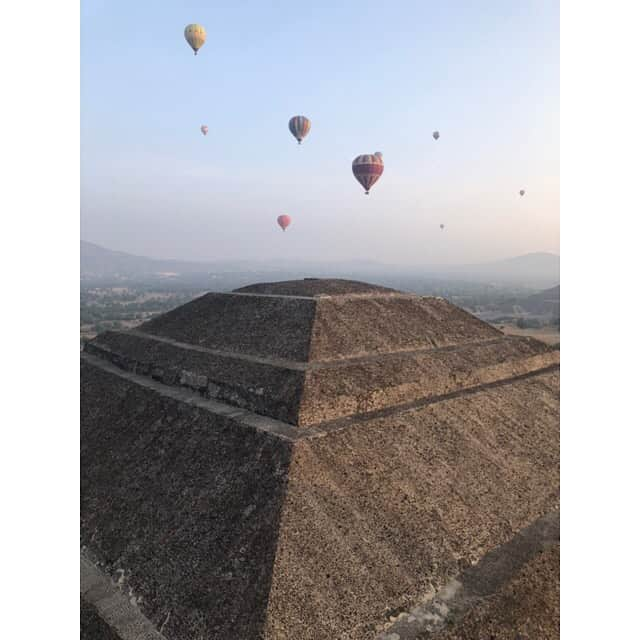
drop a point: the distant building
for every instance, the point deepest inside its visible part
(318, 459)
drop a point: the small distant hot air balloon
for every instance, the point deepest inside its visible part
(378, 154)
(521, 192)
(299, 127)
(441, 227)
(204, 129)
(367, 169)
(284, 221)
(436, 135)
(195, 35)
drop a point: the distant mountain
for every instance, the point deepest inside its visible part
(98, 262)
(543, 303)
(537, 270)
(534, 270)
(543, 306)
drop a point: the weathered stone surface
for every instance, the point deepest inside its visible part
(429, 440)
(92, 626)
(352, 353)
(107, 610)
(277, 327)
(380, 513)
(357, 387)
(356, 326)
(185, 503)
(314, 287)
(264, 388)
(310, 394)
(320, 328)
(527, 607)
(480, 589)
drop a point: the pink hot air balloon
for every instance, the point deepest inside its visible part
(204, 129)
(367, 169)
(284, 221)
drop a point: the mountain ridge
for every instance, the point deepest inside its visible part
(538, 269)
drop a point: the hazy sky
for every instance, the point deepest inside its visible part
(373, 76)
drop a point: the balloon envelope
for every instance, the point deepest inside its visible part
(521, 192)
(284, 221)
(204, 129)
(195, 35)
(442, 226)
(436, 135)
(299, 127)
(367, 169)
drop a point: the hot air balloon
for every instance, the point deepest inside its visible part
(436, 135)
(204, 129)
(284, 221)
(299, 127)
(521, 192)
(195, 35)
(367, 169)
(441, 227)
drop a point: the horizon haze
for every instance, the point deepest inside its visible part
(97, 263)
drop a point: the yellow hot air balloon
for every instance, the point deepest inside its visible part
(195, 35)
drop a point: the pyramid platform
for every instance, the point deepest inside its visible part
(299, 459)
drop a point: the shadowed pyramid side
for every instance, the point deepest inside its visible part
(182, 505)
(271, 327)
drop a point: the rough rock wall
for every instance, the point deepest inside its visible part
(314, 287)
(258, 325)
(261, 387)
(182, 505)
(92, 626)
(380, 513)
(366, 325)
(527, 607)
(358, 387)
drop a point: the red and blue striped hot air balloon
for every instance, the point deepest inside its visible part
(367, 169)
(299, 127)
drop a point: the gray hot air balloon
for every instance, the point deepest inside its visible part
(436, 135)
(299, 127)
(521, 192)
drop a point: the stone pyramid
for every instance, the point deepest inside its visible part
(303, 459)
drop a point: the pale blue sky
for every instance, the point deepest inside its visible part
(370, 76)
